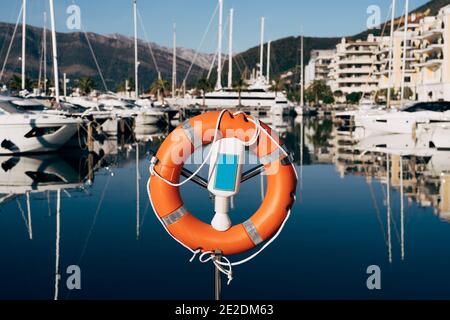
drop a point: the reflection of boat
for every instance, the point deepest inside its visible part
(25, 131)
(277, 122)
(408, 119)
(20, 175)
(147, 133)
(149, 116)
(428, 165)
(429, 141)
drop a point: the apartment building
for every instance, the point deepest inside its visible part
(393, 77)
(432, 40)
(363, 65)
(318, 67)
(354, 66)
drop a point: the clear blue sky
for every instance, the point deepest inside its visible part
(284, 18)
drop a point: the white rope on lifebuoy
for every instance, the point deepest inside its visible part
(225, 267)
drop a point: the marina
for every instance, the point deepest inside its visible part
(397, 223)
(284, 172)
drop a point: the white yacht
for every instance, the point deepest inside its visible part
(406, 120)
(257, 95)
(24, 128)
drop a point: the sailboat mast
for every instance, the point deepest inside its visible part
(136, 62)
(302, 72)
(405, 37)
(219, 49)
(261, 54)
(45, 52)
(24, 40)
(391, 54)
(230, 53)
(174, 61)
(269, 44)
(55, 50)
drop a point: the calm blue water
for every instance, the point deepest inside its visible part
(338, 228)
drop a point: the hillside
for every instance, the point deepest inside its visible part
(115, 54)
(286, 54)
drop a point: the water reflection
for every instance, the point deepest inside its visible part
(412, 165)
(95, 210)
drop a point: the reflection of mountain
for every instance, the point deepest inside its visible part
(20, 175)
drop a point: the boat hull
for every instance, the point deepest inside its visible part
(33, 138)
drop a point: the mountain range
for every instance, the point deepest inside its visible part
(115, 55)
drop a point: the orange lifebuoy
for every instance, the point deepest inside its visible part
(192, 232)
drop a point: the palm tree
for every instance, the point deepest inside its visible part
(240, 85)
(86, 85)
(160, 87)
(204, 86)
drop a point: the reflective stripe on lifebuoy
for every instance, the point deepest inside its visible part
(192, 232)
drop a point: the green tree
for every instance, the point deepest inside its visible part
(354, 97)
(381, 96)
(15, 83)
(204, 86)
(240, 85)
(338, 94)
(408, 93)
(160, 87)
(86, 85)
(318, 91)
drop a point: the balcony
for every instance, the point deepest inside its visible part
(355, 71)
(430, 62)
(435, 47)
(430, 34)
(357, 80)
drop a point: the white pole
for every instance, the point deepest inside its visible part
(261, 54)
(269, 44)
(30, 225)
(65, 84)
(391, 55)
(57, 246)
(388, 200)
(219, 49)
(55, 50)
(405, 37)
(45, 52)
(302, 146)
(24, 40)
(174, 61)
(230, 53)
(137, 194)
(136, 62)
(302, 71)
(402, 210)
